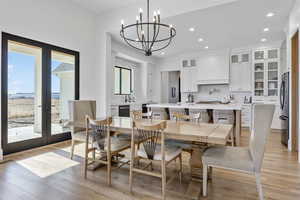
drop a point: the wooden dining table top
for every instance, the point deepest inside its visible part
(181, 130)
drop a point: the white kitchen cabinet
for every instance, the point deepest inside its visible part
(266, 74)
(246, 115)
(213, 68)
(189, 79)
(114, 110)
(240, 72)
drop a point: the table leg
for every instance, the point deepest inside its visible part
(237, 127)
(195, 185)
(196, 161)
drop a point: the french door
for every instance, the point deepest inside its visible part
(38, 80)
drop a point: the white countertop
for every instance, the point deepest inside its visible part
(217, 106)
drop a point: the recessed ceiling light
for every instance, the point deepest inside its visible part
(192, 29)
(270, 14)
(206, 47)
(266, 29)
(200, 40)
(263, 40)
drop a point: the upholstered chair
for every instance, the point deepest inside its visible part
(78, 110)
(243, 159)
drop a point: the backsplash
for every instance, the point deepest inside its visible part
(215, 93)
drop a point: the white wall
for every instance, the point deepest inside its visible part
(60, 23)
(143, 68)
(291, 29)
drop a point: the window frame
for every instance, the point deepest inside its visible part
(120, 85)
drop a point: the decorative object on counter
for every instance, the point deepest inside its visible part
(247, 100)
(190, 98)
(150, 36)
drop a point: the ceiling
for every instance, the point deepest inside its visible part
(231, 25)
(99, 6)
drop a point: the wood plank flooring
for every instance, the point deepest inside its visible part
(280, 178)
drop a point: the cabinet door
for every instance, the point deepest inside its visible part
(259, 55)
(273, 54)
(259, 78)
(185, 80)
(272, 78)
(193, 79)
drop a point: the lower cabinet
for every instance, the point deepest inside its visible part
(114, 110)
(246, 115)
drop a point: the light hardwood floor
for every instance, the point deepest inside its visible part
(38, 174)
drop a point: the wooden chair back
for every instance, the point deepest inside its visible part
(149, 135)
(100, 130)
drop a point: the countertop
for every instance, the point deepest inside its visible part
(215, 106)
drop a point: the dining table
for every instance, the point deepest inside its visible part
(199, 135)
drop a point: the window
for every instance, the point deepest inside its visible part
(123, 80)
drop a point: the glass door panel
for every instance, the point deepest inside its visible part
(24, 92)
(259, 79)
(259, 55)
(62, 90)
(272, 78)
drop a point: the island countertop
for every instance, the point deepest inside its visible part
(212, 106)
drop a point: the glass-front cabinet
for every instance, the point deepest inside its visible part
(266, 73)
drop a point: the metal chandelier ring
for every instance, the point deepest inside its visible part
(173, 31)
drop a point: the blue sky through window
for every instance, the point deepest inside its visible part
(21, 74)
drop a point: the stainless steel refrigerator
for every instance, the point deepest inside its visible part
(284, 104)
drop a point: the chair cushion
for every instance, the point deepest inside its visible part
(117, 144)
(80, 136)
(236, 158)
(170, 152)
(178, 143)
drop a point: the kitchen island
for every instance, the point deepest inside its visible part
(235, 107)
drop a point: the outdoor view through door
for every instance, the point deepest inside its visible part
(24, 92)
(38, 80)
(62, 90)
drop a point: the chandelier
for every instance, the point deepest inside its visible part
(148, 36)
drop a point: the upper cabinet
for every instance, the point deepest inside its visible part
(266, 72)
(213, 68)
(189, 79)
(240, 71)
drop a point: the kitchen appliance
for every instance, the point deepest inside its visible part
(284, 105)
(124, 111)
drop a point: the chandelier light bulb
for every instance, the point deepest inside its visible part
(158, 12)
(143, 32)
(154, 13)
(137, 18)
(171, 26)
(140, 10)
(122, 22)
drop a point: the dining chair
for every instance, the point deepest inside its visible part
(176, 111)
(244, 159)
(204, 115)
(106, 145)
(153, 148)
(78, 109)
